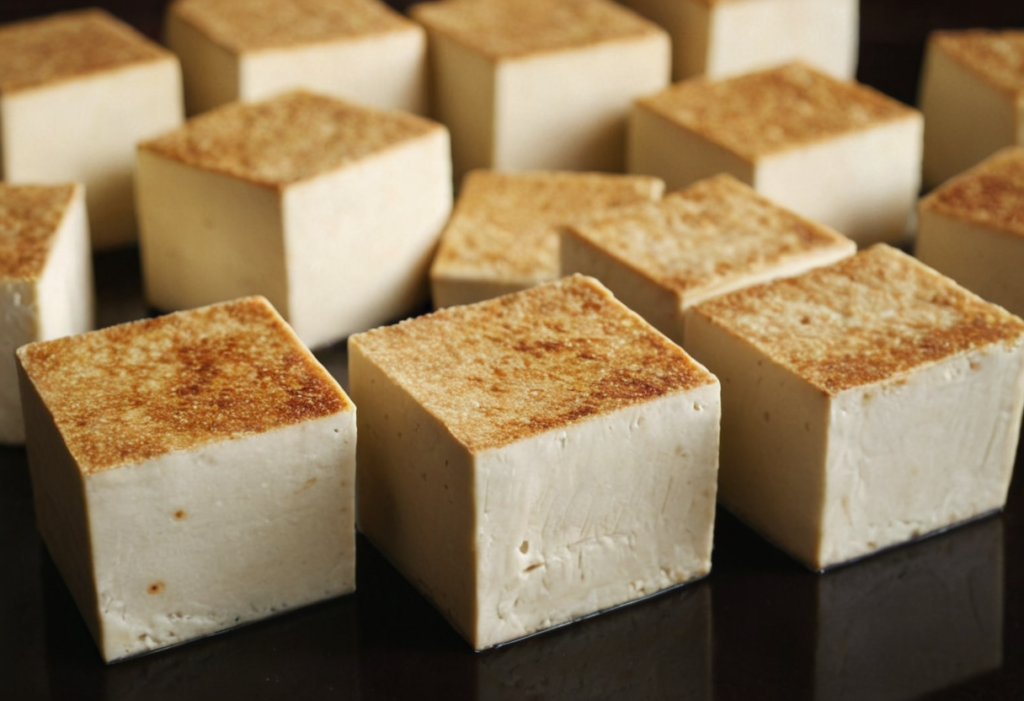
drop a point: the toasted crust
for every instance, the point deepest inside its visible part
(130, 393)
(506, 225)
(997, 57)
(30, 216)
(713, 232)
(252, 25)
(990, 194)
(513, 367)
(69, 45)
(759, 114)
(868, 319)
(518, 28)
(290, 138)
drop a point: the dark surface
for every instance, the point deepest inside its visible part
(940, 619)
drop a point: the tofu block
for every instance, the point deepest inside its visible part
(972, 229)
(78, 90)
(834, 151)
(540, 84)
(330, 210)
(46, 287)
(503, 235)
(716, 236)
(191, 473)
(972, 97)
(536, 458)
(719, 38)
(865, 404)
(249, 50)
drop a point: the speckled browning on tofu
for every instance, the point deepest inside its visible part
(251, 25)
(507, 224)
(286, 139)
(519, 28)
(713, 231)
(996, 57)
(30, 216)
(510, 368)
(69, 45)
(758, 114)
(870, 318)
(990, 194)
(133, 392)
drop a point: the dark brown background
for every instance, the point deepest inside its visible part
(940, 619)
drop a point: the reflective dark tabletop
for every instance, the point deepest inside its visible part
(939, 619)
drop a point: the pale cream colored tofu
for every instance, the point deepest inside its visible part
(714, 237)
(78, 90)
(865, 404)
(191, 473)
(718, 38)
(540, 84)
(972, 97)
(503, 235)
(330, 210)
(535, 458)
(359, 50)
(46, 287)
(834, 151)
(972, 229)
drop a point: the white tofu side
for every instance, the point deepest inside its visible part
(210, 72)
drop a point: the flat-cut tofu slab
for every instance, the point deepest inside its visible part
(191, 473)
(865, 404)
(535, 458)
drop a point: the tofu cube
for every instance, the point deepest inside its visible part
(718, 38)
(536, 458)
(833, 151)
(972, 97)
(191, 473)
(46, 287)
(972, 229)
(330, 210)
(78, 90)
(716, 236)
(503, 235)
(865, 404)
(540, 84)
(359, 50)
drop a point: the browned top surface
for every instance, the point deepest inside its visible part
(29, 217)
(990, 194)
(513, 367)
(514, 28)
(867, 319)
(506, 225)
(713, 233)
(287, 139)
(133, 392)
(758, 114)
(995, 56)
(242, 25)
(68, 45)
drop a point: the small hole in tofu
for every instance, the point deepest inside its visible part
(180, 515)
(697, 407)
(532, 567)
(155, 588)
(524, 547)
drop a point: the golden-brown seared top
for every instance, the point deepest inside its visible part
(130, 393)
(69, 45)
(866, 319)
(251, 25)
(995, 56)
(515, 28)
(506, 225)
(711, 235)
(286, 139)
(512, 367)
(758, 114)
(30, 216)
(990, 194)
